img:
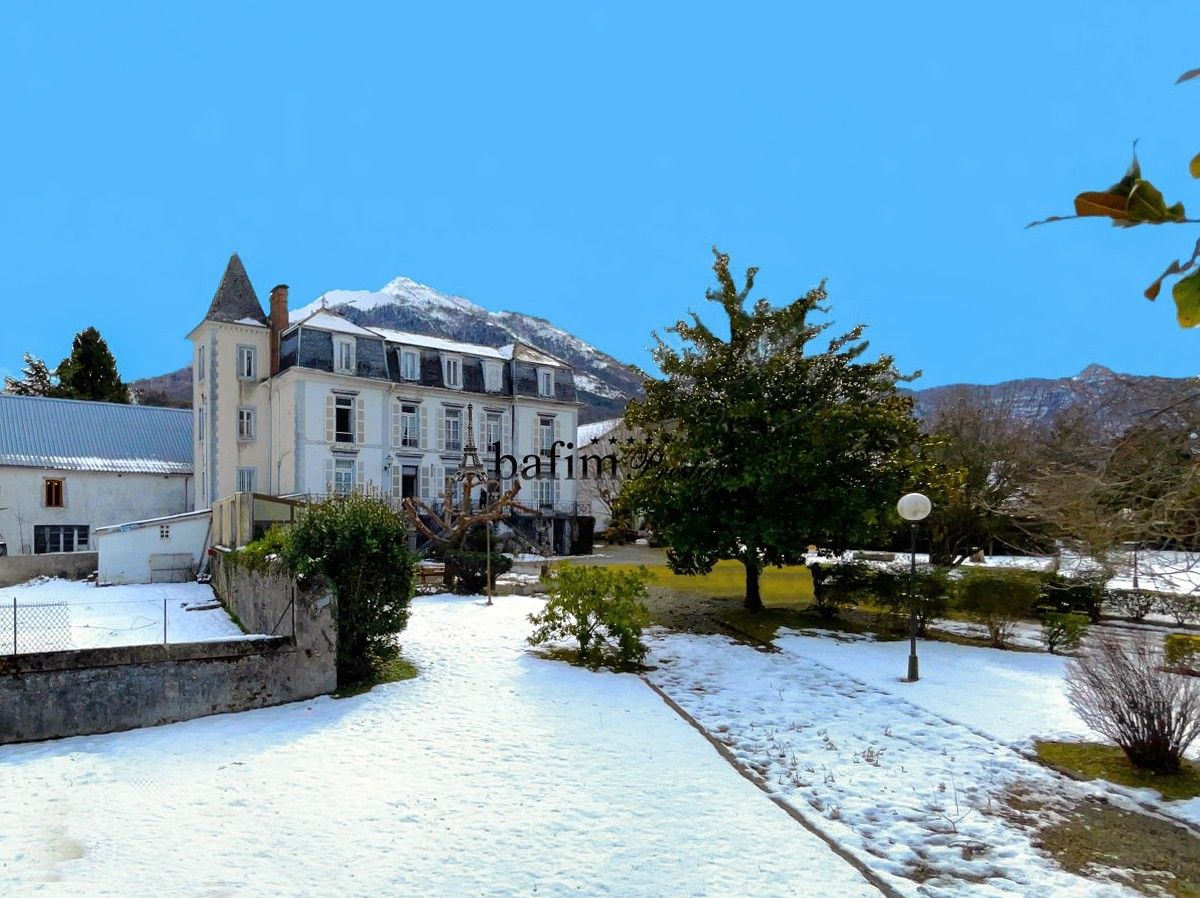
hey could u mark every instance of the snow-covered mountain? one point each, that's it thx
(604, 384)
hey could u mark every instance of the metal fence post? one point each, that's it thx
(164, 620)
(14, 625)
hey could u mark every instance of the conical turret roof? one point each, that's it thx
(235, 299)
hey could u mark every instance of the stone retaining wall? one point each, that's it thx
(16, 569)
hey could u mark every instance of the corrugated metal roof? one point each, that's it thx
(73, 435)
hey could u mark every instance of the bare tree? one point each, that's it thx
(1120, 689)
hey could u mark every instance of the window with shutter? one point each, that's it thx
(395, 480)
(329, 476)
(506, 434)
(425, 494)
(425, 431)
(441, 439)
(360, 421)
(360, 478)
(330, 418)
(396, 407)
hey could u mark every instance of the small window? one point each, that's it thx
(343, 476)
(164, 531)
(343, 357)
(247, 363)
(200, 363)
(493, 377)
(410, 364)
(546, 426)
(545, 382)
(410, 425)
(545, 493)
(343, 419)
(246, 424)
(452, 370)
(246, 478)
(53, 493)
(454, 430)
(200, 424)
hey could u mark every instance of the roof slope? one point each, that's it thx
(73, 435)
(235, 300)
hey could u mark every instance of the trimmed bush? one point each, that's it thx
(1183, 609)
(998, 598)
(1182, 650)
(468, 569)
(838, 586)
(1119, 687)
(1084, 594)
(592, 605)
(1063, 630)
(1134, 604)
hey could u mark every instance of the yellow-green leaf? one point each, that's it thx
(1195, 166)
(1187, 300)
(1146, 205)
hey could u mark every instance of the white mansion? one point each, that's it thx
(317, 404)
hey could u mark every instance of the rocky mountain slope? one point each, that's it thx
(605, 384)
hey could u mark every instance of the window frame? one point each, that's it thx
(457, 362)
(487, 427)
(341, 466)
(201, 371)
(352, 415)
(545, 375)
(410, 437)
(247, 353)
(545, 424)
(247, 414)
(415, 356)
(60, 485)
(60, 531)
(456, 415)
(241, 476)
(347, 343)
(493, 377)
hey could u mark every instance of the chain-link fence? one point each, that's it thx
(36, 628)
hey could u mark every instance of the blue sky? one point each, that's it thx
(578, 161)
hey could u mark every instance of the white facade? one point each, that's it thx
(163, 550)
(89, 500)
(311, 432)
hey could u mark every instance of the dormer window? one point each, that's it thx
(247, 363)
(343, 355)
(493, 377)
(410, 364)
(452, 372)
(545, 382)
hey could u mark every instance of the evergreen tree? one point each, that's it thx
(38, 379)
(768, 446)
(90, 371)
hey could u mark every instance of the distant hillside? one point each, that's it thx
(173, 390)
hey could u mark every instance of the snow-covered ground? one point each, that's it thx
(53, 615)
(904, 775)
(493, 773)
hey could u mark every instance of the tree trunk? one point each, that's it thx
(753, 598)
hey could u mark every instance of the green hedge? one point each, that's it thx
(997, 598)
(1182, 650)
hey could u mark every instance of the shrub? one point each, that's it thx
(1134, 604)
(837, 586)
(260, 553)
(467, 569)
(1182, 650)
(1063, 630)
(933, 589)
(1119, 688)
(998, 598)
(361, 546)
(593, 604)
(1084, 594)
(1183, 609)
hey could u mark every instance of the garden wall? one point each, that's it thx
(51, 694)
(16, 569)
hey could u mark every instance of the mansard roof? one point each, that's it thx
(235, 300)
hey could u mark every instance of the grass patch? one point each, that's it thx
(1092, 839)
(787, 586)
(393, 672)
(1095, 761)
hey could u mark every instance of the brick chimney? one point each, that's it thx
(279, 322)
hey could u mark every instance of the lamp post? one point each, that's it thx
(914, 508)
(469, 472)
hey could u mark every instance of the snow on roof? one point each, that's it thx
(330, 321)
(440, 343)
(73, 435)
(251, 321)
(595, 430)
(155, 522)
